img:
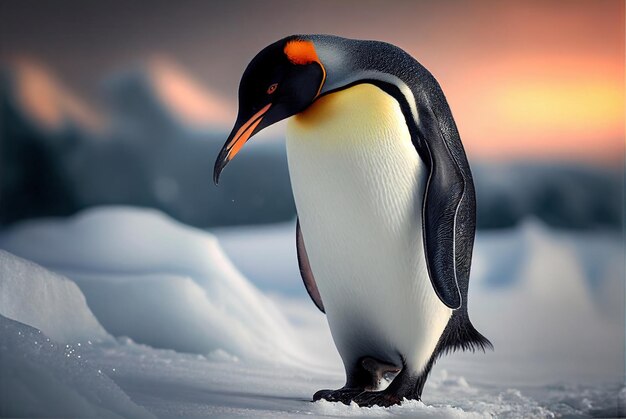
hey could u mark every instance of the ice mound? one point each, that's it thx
(551, 303)
(42, 378)
(157, 281)
(47, 301)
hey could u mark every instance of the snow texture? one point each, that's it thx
(43, 378)
(550, 301)
(47, 301)
(158, 282)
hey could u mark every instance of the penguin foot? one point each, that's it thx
(377, 398)
(343, 395)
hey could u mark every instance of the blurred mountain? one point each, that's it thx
(563, 195)
(156, 145)
(159, 97)
(157, 150)
(44, 101)
(41, 123)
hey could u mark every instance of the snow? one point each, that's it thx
(42, 378)
(266, 254)
(550, 301)
(549, 319)
(30, 294)
(158, 282)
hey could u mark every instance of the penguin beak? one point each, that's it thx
(242, 131)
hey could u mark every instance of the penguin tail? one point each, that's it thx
(460, 334)
(475, 340)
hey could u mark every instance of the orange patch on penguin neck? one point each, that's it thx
(301, 52)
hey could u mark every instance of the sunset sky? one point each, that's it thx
(540, 79)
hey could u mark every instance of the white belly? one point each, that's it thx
(358, 184)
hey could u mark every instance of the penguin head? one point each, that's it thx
(281, 81)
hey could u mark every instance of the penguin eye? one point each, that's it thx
(272, 88)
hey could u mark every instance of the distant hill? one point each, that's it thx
(148, 155)
(43, 100)
(563, 195)
(40, 124)
(159, 97)
(157, 142)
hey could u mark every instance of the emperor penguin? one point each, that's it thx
(385, 201)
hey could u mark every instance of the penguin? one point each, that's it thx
(385, 202)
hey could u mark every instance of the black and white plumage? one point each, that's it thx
(385, 200)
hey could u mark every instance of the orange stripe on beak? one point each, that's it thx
(244, 128)
(235, 141)
(241, 140)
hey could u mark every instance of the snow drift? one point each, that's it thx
(42, 378)
(157, 281)
(551, 303)
(49, 302)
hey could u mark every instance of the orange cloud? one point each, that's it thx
(544, 107)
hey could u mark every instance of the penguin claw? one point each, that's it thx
(377, 398)
(343, 395)
(321, 394)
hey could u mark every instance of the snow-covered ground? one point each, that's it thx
(195, 337)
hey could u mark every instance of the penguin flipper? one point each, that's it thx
(305, 270)
(443, 224)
